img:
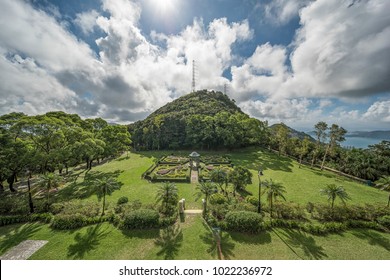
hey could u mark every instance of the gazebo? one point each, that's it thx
(194, 160)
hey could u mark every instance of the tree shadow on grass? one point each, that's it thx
(86, 187)
(265, 160)
(299, 240)
(86, 242)
(373, 238)
(212, 237)
(261, 238)
(14, 237)
(170, 241)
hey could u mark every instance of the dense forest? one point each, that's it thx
(55, 141)
(202, 119)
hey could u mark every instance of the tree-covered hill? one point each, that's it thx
(291, 133)
(202, 119)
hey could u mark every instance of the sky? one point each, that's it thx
(291, 61)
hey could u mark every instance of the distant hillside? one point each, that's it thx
(377, 134)
(293, 133)
(199, 103)
(202, 119)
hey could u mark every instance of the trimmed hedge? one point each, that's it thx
(72, 221)
(217, 198)
(244, 221)
(8, 220)
(122, 200)
(384, 221)
(141, 219)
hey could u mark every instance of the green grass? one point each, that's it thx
(194, 240)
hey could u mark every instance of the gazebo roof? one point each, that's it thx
(194, 154)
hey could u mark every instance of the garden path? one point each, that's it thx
(23, 250)
(194, 177)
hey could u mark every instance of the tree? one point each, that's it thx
(273, 191)
(303, 149)
(384, 184)
(168, 195)
(105, 186)
(332, 192)
(282, 138)
(320, 130)
(240, 177)
(49, 181)
(219, 177)
(336, 135)
(205, 188)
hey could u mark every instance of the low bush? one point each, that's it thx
(252, 200)
(141, 219)
(219, 211)
(14, 204)
(244, 221)
(217, 198)
(72, 221)
(242, 206)
(8, 220)
(288, 210)
(122, 200)
(384, 221)
(167, 221)
(84, 208)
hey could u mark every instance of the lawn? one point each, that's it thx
(192, 239)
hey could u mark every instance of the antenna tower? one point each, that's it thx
(193, 76)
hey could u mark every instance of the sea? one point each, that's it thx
(359, 142)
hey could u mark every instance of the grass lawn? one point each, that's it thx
(193, 240)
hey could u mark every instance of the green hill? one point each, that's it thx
(292, 133)
(202, 119)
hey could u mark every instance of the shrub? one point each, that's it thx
(244, 221)
(141, 219)
(219, 211)
(288, 211)
(8, 220)
(122, 200)
(14, 204)
(217, 198)
(384, 221)
(243, 206)
(252, 200)
(68, 221)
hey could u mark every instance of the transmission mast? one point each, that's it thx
(193, 76)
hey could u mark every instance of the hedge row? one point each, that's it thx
(72, 221)
(8, 220)
(244, 221)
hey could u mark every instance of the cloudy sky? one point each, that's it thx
(296, 61)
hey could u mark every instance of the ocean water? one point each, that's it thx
(359, 142)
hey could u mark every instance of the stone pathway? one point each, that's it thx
(194, 177)
(193, 211)
(24, 250)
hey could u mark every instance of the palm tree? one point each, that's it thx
(273, 190)
(206, 189)
(332, 192)
(49, 181)
(104, 186)
(219, 177)
(384, 184)
(168, 195)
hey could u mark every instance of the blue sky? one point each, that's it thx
(292, 61)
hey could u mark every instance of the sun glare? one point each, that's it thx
(163, 7)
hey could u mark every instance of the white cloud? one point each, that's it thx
(379, 111)
(282, 11)
(87, 21)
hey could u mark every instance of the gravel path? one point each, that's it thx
(24, 250)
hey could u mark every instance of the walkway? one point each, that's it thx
(24, 250)
(194, 177)
(193, 211)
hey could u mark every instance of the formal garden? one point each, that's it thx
(127, 208)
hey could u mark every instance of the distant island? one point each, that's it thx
(377, 134)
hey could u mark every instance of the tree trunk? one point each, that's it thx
(300, 161)
(30, 202)
(323, 160)
(10, 181)
(1, 187)
(388, 201)
(66, 169)
(90, 164)
(104, 202)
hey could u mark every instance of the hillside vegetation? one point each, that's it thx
(202, 119)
